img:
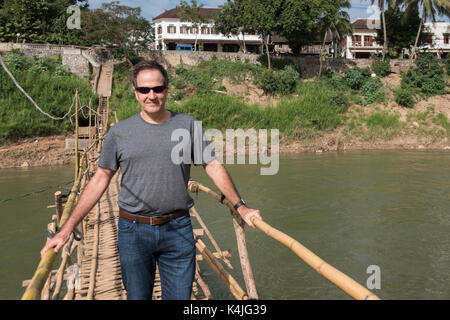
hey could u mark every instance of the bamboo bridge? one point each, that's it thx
(89, 266)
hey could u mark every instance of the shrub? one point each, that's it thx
(381, 68)
(16, 62)
(354, 78)
(405, 97)
(372, 91)
(278, 82)
(427, 77)
(447, 65)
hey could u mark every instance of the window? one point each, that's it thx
(428, 38)
(184, 29)
(368, 41)
(171, 29)
(357, 41)
(193, 30)
(205, 30)
(159, 30)
(446, 38)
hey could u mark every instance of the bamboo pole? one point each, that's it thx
(230, 282)
(344, 282)
(45, 294)
(202, 283)
(58, 206)
(211, 238)
(90, 295)
(76, 135)
(247, 272)
(62, 267)
(34, 288)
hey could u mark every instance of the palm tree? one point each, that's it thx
(381, 4)
(429, 9)
(334, 22)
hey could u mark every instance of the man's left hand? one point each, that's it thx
(247, 213)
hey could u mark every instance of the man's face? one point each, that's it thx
(151, 102)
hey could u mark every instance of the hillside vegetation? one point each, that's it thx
(355, 104)
(50, 85)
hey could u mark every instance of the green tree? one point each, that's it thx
(23, 20)
(335, 22)
(298, 22)
(119, 26)
(401, 27)
(262, 17)
(230, 22)
(381, 6)
(429, 10)
(37, 21)
(191, 13)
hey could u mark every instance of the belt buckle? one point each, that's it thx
(151, 221)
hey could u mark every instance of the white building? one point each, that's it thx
(437, 38)
(170, 31)
(362, 43)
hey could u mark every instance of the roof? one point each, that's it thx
(175, 13)
(366, 24)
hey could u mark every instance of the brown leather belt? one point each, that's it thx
(152, 220)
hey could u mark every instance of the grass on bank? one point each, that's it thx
(51, 86)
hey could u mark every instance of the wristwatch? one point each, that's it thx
(240, 203)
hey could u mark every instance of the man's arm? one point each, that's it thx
(89, 197)
(219, 175)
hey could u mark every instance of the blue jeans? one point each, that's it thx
(172, 245)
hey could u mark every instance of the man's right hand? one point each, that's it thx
(57, 242)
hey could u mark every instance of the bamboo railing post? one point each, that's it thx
(247, 272)
(76, 136)
(58, 205)
(45, 294)
(230, 282)
(62, 267)
(202, 283)
(211, 238)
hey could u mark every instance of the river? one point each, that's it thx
(380, 215)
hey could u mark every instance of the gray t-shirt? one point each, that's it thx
(154, 175)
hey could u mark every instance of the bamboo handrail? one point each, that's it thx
(344, 282)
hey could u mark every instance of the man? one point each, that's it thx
(154, 223)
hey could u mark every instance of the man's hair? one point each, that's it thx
(149, 65)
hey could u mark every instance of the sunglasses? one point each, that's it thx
(157, 89)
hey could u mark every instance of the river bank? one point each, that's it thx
(51, 151)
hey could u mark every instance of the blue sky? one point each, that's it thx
(152, 8)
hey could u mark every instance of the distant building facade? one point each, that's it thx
(170, 31)
(362, 44)
(437, 38)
